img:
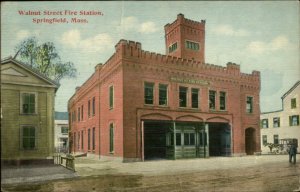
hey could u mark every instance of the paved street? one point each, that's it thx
(249, 173)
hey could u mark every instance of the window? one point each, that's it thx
(93, 139)
(28, 103)
(111, 138)
(249, 106)
(212, 100)
(111, 97)
(265, 140)
(81, 112)
(189, 138)
(81, 139)
(173, 47)
(78, 142)
(195, 95)
(64, 130)
(178, 139)
(293, 103)
(78, 113)
(89, 139)
(148, 91)
(192, 45)
(276, 122)
(28, 137)
(163, 94)
(294, 120)
(222, 100)
(264, 123)
(89, 108)
(75, 141)
(93, 106)
(74, 116)
(276, 139)
(182, 96)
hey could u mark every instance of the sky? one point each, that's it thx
(257, 35)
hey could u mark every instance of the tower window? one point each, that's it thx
(192, 45)
(173, 47)
(249, 105)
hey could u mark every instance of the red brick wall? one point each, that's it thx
(160, 69)
(89, 90)
(128, 69)
(114, 115)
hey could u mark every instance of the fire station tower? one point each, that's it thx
(185, 38)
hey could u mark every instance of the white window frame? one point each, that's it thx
(21, 137)
(35, 105)
(111, 105)
(167, 95)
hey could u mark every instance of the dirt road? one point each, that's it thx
(276, 176)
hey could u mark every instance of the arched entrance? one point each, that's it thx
(250, 141)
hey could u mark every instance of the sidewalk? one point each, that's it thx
(34, 173)
(86, 166)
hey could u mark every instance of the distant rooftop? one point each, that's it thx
(61, 115)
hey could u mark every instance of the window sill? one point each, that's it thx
(215, 111)
(112, 153)
(28, 150)
(29, 114)
(150, 105)
(183, 107)
(164, 106)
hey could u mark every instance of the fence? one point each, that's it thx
(66, 161)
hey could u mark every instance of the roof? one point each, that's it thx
(291, 89)
(262, 113)
(61, 115)
(30, 69)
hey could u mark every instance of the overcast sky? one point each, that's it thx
(261, 36)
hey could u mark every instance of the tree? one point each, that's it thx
(45, 59)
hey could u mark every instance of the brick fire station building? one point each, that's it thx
(141, 105)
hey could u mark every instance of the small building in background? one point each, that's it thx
(282, 125)
(61, 132)
(27, 119)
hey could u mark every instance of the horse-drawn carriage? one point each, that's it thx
(285, 144)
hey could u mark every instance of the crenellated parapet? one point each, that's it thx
(133, 51)
(186, 22)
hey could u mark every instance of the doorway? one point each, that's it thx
(250, 141)
(219, 139)
(155, 139)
